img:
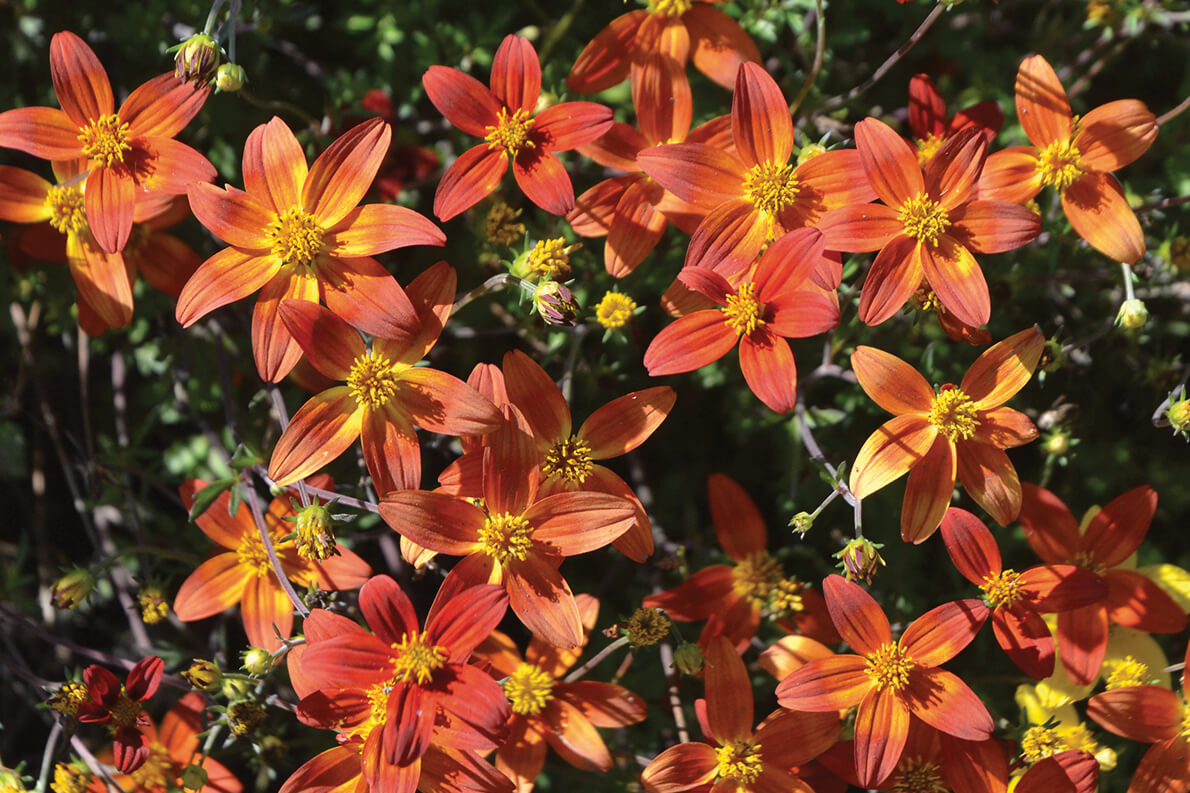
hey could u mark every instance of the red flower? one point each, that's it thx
(930, 125)
(503, 117)
(119, 707)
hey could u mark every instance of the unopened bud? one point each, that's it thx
(194, 777)
(11, 781)
(257, 661)
(230, 78)
(688, 659)
(72, 589)
(802, 522)
(1178, 414)
(204, 675)
(70, 778)
(860, 559)
(1132, 314)
(197, 59)
(315, 533)
(809, 152)
(245, 718)
(555, 303)
(1057, 444)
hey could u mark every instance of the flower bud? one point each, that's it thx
(245, 718)
(860, 559)
(234, 688)
(501, 225)
(1057, 444)
(646, 627)
(555, 303)
(230, 78)
(194, 777)
(197, 59)
(809, 152)
(11, 781)
(315, 533)
(153, 606)
(72, 589)
(688, 659)
(204, 675)
(802, 522)
(68, 697)
(1132, 314)
(614, 310)
(257, 661)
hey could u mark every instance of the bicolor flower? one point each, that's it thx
(892, 682)
(504, 117)
(954, 432)
(1075, 156)
(298, 233)
(119, 707)
(932, 221)
(128, 151)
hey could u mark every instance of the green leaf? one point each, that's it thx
(204, 498)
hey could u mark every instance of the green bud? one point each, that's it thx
(257, 661)
(204, 675)
(1132, 314)
(230, 78)
(860, 559)
(194, 777)
(688, 659)
(72, 589)
(197, 59)
(802, 522)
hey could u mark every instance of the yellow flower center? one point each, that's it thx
(1080, 738)
(124, 712)
(68, 697)
(953, 413)
(1086, 560)
(159, 772)
(105, 140)
(755, 576)
(511, 132)
(926, 299)
(1039, 743)
(295, 237)
(69, 778)
(924, 219)
(917, 775)
(1059, 164)
(927, 147)
(889, 667)
(153, 606)
(744, 312)
(671, 8)
(771, 187)
(417, 659)
(569, 459)
(373, 380)
(67, 212)
(505, 537)
(738, 761)
(377, 712)
(1128, 672)
(785, 598)
(1185, 731)
(1002, 590)
(614, 310)
(250, 553)
(550, 259)
(528, 689)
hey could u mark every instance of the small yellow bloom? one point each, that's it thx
(614, 310)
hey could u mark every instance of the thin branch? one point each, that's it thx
(1162, 120)
(1165, 203)
(819, 51)
(267, 540)
(577, 674)
(672, 679)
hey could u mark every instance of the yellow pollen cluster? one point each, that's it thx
(505, 537)
(927, 147)
(378, 710)
(671, 8)
(68, 697)
(124, 712)
(755, 576)
(550, 259)
(1039, 743)
(1127, 673)
(250, 553)
(69, 778)
(917, 775)
(786, 597)
(771, 187)
(511, 132)
(417, 659)
(889, 667)
(501, 225)
(153, 606)
(954, 414)
(159, 772)
(105, 140)
(295, 237)
(744, 312)
(528, 689)
(924, 219)
(569, 459)
(1086, 560)
(926, 299)
(373, 380)
(1185, 731)
(738, 761)
(67, 212)
(1002, 590)
(614, 310)
(1059, 164)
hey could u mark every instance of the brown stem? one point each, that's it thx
(267, 540)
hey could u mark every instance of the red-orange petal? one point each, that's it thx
(1011, 175)
(1041, 103)
(1082, 642)
(737, 521)
(957, 280)
(1050, 528)
(826, 684)
(889, 453)
(273, 347)
(835, 179)
(342, 174)
(216, 585)
(681, 768)
(571, 124)
(881, 730)
(360, 291)
(232, 215)
(989, 478)
(971, 546)
(320, 431)
(227, 276)
(1095, 205)
(1140, 713)
(103, 280)
(701, 174)
(266, 612)
(516, 74)
(626, 422)
(1003, 369)
(859, 228)
(110, 198)
(890, 382)
(661, 98)
(994, 226)
(567, 524)
(542, 599)
(174, 166)
(1118, 529)
(890, 163)
(636, 228)
(942, 632)
(80, 82)
(760, 121)
(1135, 601)
(574, 738)
(434, 520)
(274, 166)
(952, 174)
(728, 692)
(1026, 639)
(595, 210)
(946, 703)
(766, 361)
(22, 195)
(464, 101)
(440, 402)
(720, 45)
(44, 132)
(729, 238)
(928, 491)
(927, 108)
(893, 278)
(605, 61)
(688, 343)
(856, 615)
(541, 402)
(1115, 134)
(377, 228)
(330, 344)
(162, 106)
(391, 450)
(544, 181)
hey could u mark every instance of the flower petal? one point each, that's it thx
(466, 619)
(80, 82)
(1136, 602)
(889, 452)
(44, 132)
(23, 195)
(856, 615)
(516, 74)
(1139, 713)
(826, 685)
(229, 275)
(1041, 103)
(769, 370)
(434, 520)
(391, 449)
(890, 162)
(893, 278)
(720, 45)
(162, 106)
(728, 692)
(443, 403)
(881, 730)
(680, 768)
(661, 97)
(574, 523)
(1096, 207)
(890, 382)
(943, 701)
(1050, 528)
(691, 342)
(943, 632)
(927, 108)
(760, 120)
(928, 491)
(216, 585)
(994, 226)
(466, 102)
(1003, 369)
(1027, 640)
(737, 521)
(319, 432)
(110, 198)
(274, 166)
(957, 280)
(273, 347)
(267, 612)
(1115, 134)
(1082, 642)
(387, 609)
(989, 478)
(971, 546)
(541, 402)
(364, 294)
(636, 228)
(859, 228)
(696, 172)
(544, 181)
(329, 343)
(1012, 175)
(232, 215)
(377, 228)
(605, 704)
(788, 738)
(626, 422)
(697, 597)
(342, 174)
(952, 174)
(1118, 529)
(568, 125)
(542, 600)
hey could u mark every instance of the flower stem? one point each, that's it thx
(595, 659)
(819, 50)
(267, 540)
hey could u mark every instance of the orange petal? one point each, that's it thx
(542, 599)
(344, 570)
(328, 342)
(835, 179)
(1082, 642)
(227, 276)
(1140, 713)
(1011, 175)
(337, 769)
(881, 730)
(1003, 369)
(681, 768)
(943, 701)
(110, 197)
(971, 546)
(989, 478)
(692, 341)
(769, 370)
(319, 432)
(928, 491)
(890, 382)
(102, 279)
(538, 398)
(661, 97)
(696, 172)
(216, 585)
(571, 124)
(1005, 428)
(1041, 103)
(434, 520)
(522, 757)
(510, 465)
(957, 280)
(893, 278)
(789, 738)
(377, 228)
(364, 294)
(274, 166)
(952, 174)
(790, 653)
(342, 174)
(890, 162)
(162, 106)
(994, 226)
(80, 82)
(890, 452)
(720, 45)
(432, 294)
(626, 422)
(572, 523)
(391, 450)
(440, 402)
(466, 102)
(760, 120)
(555, 662)
(943, 632)
(605, 704)
(595, 210)
(737, 521)
(574, 738)
(856, 615)
(22, 195)
(44, 132)
(1135, 601)
(1096, 207)
(1118, 529)
(637, 542)
(605, 61)
(232, 216)
(788, 263)
(516, 74)
(1114, 135)
(1049, 527)
(172, 166)
(273, 346)
(859, 228)
(636, 228)
(728, 692)
(1026, 639)
(544, 181)
(826, 685)
(267, 612)
(729, 238)
(697, 597)
(927, 108)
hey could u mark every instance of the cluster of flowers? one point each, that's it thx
(417, 708)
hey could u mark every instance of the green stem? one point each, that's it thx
(819, 51)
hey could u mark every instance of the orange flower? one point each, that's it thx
(127, 151)
(931, 127)
(171, 749)
(385, 394)
(299, 234)
(1110, 538)
(892, 682)
(779, 301)
(754, 195)
(954, 432)
(931, 222)
(242, 573)
(669, 30)
(516, 538)
(546, 711)
(503, 117)
(1075, 156)
(732, 598)
(741, 758)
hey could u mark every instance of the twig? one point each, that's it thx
(47, 757)
(672, 679)
(267, 540)
(595, 659)
(1165, 203)
(1164, 119)
(493, 284)
(96, 767)
(819, 50)
(815, 452)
